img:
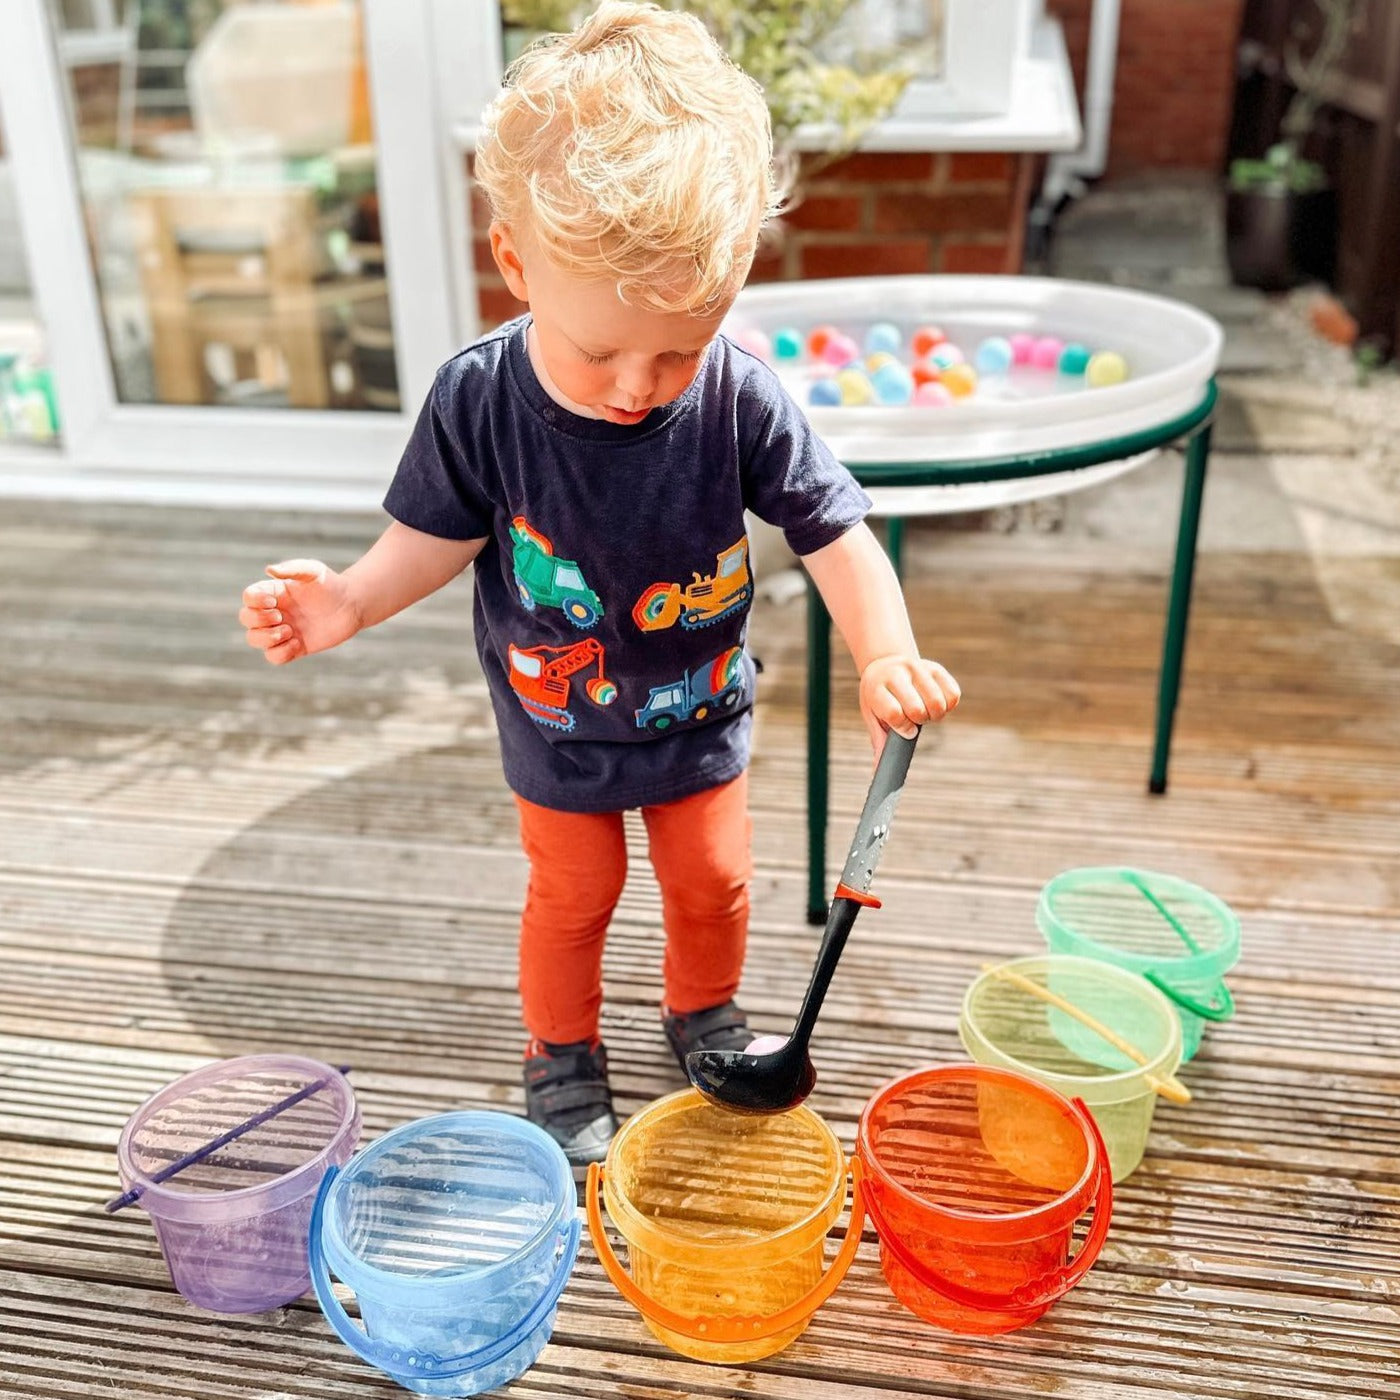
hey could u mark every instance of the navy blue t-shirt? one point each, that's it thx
(612, 597)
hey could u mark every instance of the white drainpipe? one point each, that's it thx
(1065, 174)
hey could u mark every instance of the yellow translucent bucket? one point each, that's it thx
(725, 1216)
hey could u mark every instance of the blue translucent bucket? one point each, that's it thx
(457, 1234)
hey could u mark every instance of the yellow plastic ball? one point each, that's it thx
(855, 388)
(959, 380)
(1105, 368)
(879, 359)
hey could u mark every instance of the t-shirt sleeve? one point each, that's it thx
(791, 477)
(439, 487)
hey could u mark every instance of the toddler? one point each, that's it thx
(594, 459)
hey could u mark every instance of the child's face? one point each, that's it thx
(606, 357)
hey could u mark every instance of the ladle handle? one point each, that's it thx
(873, 829)
(868, 845)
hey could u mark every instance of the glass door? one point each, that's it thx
(238, 223)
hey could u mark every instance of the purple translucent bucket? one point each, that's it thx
(233, 1225)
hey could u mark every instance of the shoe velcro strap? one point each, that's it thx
(559, 1098)
(696, 1029)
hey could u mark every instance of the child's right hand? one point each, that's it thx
(303, 607)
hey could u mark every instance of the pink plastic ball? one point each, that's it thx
(756, 343)
(1021, 347)
(840, 350)
(1045, 353)
(932, 395)
(947, 355)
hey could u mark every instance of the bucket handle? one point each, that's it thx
(412, 1363)
(1220, 1007)
(1041, 1293)
(723, 1329)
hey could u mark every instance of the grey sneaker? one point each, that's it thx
(567, 1094)
(713, 1028)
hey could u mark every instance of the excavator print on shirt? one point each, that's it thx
(541, 677)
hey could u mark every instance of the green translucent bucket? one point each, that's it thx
(1011, 1028)
(1178, 936)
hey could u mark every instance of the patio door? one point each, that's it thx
(243, 223)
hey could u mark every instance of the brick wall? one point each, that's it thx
(867, 215)
(1175, 83)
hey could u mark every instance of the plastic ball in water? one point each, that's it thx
(824, 393)
(840, 350)
(1107, 367)
(817, 339)
(925, 339)
(879, 359)
(994, 355)
(1074, 358)
(1022, 345)
(787, 343)
(883, 335)
(893, 383)
(1045, 353)
(947, 355)
(756, 342)
(856, 389)
(959, 380)
(932, 395)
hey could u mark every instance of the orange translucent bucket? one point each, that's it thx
(726, 1218)
(975, 1179)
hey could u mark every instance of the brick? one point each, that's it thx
(879, 166)
(827, 213)
(769, 265)
(953, 212)
(482, 260)
(495, 304)
(968, 167)
(975, 257)
(481, 211)
(867, 259)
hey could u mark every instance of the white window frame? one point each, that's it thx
(314, 457)
(982, 40)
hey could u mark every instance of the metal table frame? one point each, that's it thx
(1193, 427)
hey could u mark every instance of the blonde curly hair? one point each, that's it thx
(632, 149)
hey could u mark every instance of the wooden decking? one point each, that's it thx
(202, 857)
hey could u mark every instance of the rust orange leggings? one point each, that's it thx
(578, 861)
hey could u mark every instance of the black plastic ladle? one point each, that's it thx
(780, 1079)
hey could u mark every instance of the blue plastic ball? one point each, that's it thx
(994, 355)
(824, 393)
(883, 335)
(787, 344)
(893, 384)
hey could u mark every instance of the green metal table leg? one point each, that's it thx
(818, 724)
(1179, 604)
(894, 544)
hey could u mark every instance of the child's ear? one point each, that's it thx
(507, 256)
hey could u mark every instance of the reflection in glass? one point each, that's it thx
(28, 408)
(227, 170)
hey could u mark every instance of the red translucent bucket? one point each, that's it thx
(975, 1179)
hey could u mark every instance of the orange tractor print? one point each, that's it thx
(704, 600)
(540, 676)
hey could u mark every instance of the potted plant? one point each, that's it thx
(1280, 210)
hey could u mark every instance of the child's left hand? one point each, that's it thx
(902, 693)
